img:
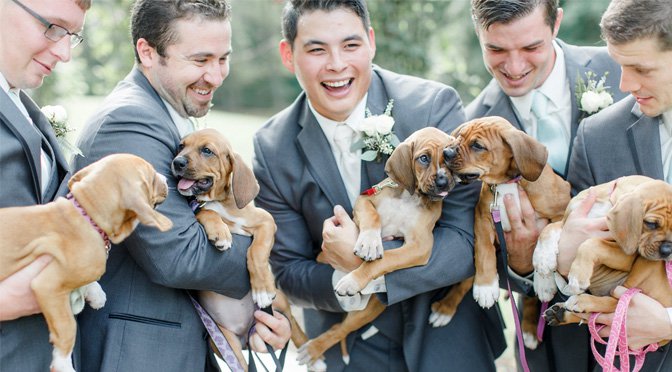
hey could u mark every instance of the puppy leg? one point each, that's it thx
(258, 254)
(217, 231)
(95, 295)
(486, 280)
(530, 320)
(369, 245)
(444, 309)
(566, 313)
(545, 261)
(591, 253)
(316, 347)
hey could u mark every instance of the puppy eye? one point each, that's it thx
(477, 146)
(651, 225)
(180, 147)
(206, 151)
(424, 159)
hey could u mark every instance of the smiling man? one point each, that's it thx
(309, 181)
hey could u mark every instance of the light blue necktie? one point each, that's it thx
(551, 133)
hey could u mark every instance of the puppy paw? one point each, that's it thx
(95, 295)
(573, 304)
(576, 286)
(545, 256)
(369, 245)
(347, 286)
(437, 319)
(320, 366)
(544, 286)
(221, 244)
(61, 362)
(555, 315)
(486, 295)
(305, 355)
(263, 298)
(530, 341)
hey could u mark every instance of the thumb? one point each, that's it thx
(587, 203)
(618, 291)
(341, 215)
(36, 266)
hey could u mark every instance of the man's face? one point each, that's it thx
(331, 58)
(645, 73)
(193, 67)
(520, 54)
(26, 55)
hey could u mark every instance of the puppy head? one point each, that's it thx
(208, 168)
(494, 151)
(417, 164)
(641, 221)
(120, 190)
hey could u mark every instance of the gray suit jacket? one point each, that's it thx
(563, 348)
(619, 141)
(20, 145)
(300, 184)
(148, 322)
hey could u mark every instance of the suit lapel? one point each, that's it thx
(29, 138)
(372, 171)
(500, 105)
(319, 158)
(644, 142)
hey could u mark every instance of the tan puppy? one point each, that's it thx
(407, 204)
(211, 172)
(490, 149)
(111, 195)
(639, 215)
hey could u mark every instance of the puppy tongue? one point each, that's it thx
(185, 184)
(443, 194)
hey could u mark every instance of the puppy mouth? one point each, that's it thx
(193, 187)
(466, 178)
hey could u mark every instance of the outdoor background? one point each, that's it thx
(428, 38)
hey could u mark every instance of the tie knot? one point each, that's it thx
(343, 136)
(539, 104)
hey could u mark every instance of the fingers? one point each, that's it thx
(35, 267)
(342, 216)
(273, 329)
(513, 211)
(618, 291)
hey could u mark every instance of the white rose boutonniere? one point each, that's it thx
(378, 139)
(58, 118)
(592, 95)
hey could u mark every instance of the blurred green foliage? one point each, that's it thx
(427, 38)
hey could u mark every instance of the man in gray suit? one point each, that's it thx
(521, 52)
(329, 45)
(632, 137)
(33, 167)
(182, 53)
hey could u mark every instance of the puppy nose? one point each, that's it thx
(665, 249)
(441, 180)
(449, 153)
(179, 163)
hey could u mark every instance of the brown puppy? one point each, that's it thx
(407, 204)
(639, 215)
(109, 198)
(211, 172)
(490, 149)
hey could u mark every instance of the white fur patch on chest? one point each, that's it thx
(397, 215)
(235, 223)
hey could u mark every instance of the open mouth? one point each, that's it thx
(467, 178)
(337, 86)
(515, 78)
(191, 187)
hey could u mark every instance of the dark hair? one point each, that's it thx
(294, 9)
(485, 13)
(628, 20)
(154, 20)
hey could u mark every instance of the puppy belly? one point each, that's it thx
(234, 315)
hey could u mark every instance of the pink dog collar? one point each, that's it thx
(103, 234)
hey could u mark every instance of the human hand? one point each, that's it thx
(647, 320)
(339, 235)
(578, 228)
(525, 229)
(274, 330)
(16, 295)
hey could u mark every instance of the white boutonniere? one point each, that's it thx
(58, 118)
(378, 139)
(592, 95)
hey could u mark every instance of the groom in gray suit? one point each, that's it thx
(182, 53)
(521, 52)
(634, 136)
(329, 45)
(33, 169)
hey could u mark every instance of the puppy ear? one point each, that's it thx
(529, 154)
(625, 222)
(244, 184)
(400, 166)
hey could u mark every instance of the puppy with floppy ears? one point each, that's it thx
(210, 171)
(504, 158)
(638, 211)
(405, 205)
(108, 199)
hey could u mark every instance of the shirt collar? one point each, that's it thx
(5, 85)
(329, 126)
(666, 120)
(184, 125)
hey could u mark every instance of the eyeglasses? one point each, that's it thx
(53, 32)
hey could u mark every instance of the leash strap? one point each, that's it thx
(279, 362)
(223, 346)
(541, 324)
(496, 218)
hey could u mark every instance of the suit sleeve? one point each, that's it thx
(181, 257)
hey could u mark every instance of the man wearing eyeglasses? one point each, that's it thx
(35, 35)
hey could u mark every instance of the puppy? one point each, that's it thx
(210, 171)
(490, 149)
(638, 210)
(406, 205)
(108, 199)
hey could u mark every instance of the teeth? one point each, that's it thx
(336, 84)
(202, 92)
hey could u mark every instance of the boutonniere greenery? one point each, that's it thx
(58, 118)
(378, 139)
(592, 95)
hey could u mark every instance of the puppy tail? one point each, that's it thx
(344, 352)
